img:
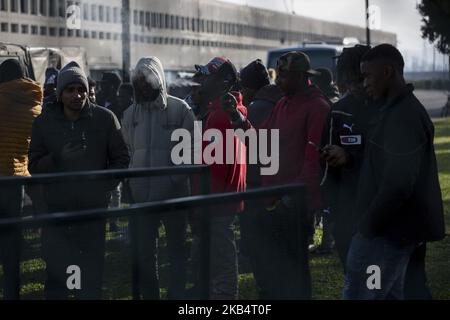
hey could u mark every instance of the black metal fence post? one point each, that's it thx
(126, 47)
(135, 275)
(205, 240)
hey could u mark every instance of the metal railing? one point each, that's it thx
(169, 205)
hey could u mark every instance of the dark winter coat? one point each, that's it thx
(399, 193)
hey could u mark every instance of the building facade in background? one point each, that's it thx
(180, 32)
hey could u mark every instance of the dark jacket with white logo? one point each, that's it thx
(347, 127)
(399, 195)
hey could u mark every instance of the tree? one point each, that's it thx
(436, 23)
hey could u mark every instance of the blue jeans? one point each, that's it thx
(390, 256)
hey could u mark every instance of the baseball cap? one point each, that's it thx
(218, 66)
(296, 61)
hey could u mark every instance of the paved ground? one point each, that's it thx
(433, 100)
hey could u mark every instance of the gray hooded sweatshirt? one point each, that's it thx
(147, 129)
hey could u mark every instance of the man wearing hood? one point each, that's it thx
(299, 116)
(76, 135)
(20, 104)
(148, 126)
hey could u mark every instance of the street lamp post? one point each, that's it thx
(367, 23)
(126, 40)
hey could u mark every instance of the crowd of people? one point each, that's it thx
(363, 148)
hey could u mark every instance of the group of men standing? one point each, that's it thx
(367, 158)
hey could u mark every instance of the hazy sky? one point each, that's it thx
(398, 16)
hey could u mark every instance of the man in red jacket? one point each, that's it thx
(217, 79)
(299, 117)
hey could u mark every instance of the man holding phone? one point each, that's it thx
(75, 135)
(216, 80)
(300, 117)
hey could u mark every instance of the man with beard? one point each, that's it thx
(75, 135)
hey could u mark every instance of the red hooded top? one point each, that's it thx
(300, 119)
(227, 177)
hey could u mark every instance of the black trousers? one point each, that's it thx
(80, 244)
(285, 254)
(146, 229)
(255, 238)
(11, 242)
(343, 236)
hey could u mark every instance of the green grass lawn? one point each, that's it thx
(438, 259)
(326, 270)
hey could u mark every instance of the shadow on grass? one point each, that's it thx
(438, 268)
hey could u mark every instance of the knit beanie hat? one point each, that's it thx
(71, 73)
(255, 75)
